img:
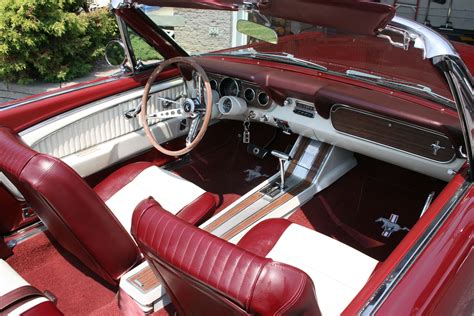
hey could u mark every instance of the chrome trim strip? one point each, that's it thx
(25, 233)
(58, 93)
(340, 105)
(387, 286)
(425, 38)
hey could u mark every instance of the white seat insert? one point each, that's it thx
(338, 271)
(170, 190)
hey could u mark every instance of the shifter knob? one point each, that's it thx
(283, 157)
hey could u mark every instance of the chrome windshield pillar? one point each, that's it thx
(444, 56)
(461, 85)
(425, 38)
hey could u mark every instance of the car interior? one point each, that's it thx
(206, 180)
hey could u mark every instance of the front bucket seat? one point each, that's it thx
(94, 226)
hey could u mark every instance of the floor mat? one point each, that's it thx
(40, 263)
(348, 209)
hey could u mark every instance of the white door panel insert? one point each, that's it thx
(97, 135)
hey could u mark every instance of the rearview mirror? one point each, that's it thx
(115, 53)
(258, 31)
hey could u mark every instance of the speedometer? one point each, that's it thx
(229, 87)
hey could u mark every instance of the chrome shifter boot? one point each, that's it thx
(283, 158)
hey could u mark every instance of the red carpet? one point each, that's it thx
(40, 263)
(347, 210)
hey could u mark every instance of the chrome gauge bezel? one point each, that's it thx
(267, 96)
(214, 84)
(253, 95)
(229, 79)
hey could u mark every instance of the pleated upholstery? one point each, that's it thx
(100, 127)
(206, 275)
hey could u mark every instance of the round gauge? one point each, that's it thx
(263, 98)
(227, 106)
(229, 87)
(214, 85)
(249, 94)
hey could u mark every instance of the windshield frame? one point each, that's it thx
(181, 52)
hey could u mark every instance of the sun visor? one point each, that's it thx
(361, 17)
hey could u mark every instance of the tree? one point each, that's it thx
(51, 40)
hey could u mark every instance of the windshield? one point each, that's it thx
(200, 31)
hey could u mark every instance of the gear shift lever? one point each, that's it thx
(283, 158)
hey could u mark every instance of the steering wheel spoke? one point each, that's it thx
(193, 129)
(167, 114)
(171, 101)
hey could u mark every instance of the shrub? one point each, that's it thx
(51, 40)
(142, 50)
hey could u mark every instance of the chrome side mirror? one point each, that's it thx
(115, 53)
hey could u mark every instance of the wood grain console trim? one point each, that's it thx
(144, 280)
(234, 211)
(399, 135)
(297, 189)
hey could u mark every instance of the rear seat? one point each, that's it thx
(18, 297)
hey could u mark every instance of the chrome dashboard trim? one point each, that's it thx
(387, 286)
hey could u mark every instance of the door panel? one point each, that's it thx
(98, 135)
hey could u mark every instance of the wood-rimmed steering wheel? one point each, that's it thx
(197, 107)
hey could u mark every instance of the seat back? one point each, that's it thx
(73, 213)
(205, 275)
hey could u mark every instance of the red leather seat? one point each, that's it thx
(205, 275)
(95, 226)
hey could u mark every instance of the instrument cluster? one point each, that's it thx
(248, 91)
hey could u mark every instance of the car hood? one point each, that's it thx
(355, 16)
